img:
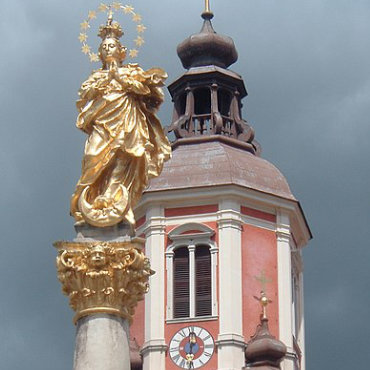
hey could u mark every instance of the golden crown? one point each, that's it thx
(111, 29)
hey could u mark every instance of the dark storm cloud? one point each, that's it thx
(306, 66)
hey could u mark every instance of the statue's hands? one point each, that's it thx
(113, 73)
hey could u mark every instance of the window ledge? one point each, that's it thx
(191, 319)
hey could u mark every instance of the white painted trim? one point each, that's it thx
(212, 194)
(230, 338)
(192, 319)
(169, 269)
(301, 336)
(214, 256)
(191, 249)
(284, 278)
(153, 352)
(179, 230)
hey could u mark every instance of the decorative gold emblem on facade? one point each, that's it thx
(126, 145)
(103, 277)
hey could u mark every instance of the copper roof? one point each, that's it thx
(264, 351)
(207, 48)
(214, 162)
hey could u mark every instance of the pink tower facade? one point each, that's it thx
(220, 224)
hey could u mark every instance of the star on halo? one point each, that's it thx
(82, 37)
(139, 41)
(94, 57)
(128, 9)
(136, 17)
(133, 53)
(85, 49)
(116, 5)
(140, 28)
(103, 7)
(92, 14)
(84, 25)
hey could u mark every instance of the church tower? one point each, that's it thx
(221, 224)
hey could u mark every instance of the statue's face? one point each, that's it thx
(110, 50)
(98, 258)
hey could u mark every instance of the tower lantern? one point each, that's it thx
(217, 218)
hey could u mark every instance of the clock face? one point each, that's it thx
(191, 347)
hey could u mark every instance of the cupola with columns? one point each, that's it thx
(218, 221)
(207, 98)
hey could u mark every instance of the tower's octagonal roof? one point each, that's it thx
(215, 162)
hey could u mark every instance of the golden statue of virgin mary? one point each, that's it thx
(126, 145)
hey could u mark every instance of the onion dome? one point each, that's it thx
(264, 351)
(207, 47)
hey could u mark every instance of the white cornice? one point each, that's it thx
(215, 194)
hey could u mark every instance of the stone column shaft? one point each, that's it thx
(102, 342)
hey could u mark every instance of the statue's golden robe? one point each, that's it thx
(126, 144)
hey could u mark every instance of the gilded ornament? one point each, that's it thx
(140, 28)
(128, 9)
(139, 41)
(136, 17)
(92, 14)
(133, 52)
(126, 145)
(103, 277)
(82, 37)
(85, 25)
(104, 8)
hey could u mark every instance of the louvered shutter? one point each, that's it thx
(203, 281)
(181, 283)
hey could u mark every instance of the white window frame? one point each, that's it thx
(191, 241)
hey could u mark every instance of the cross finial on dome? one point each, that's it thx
(264, 302)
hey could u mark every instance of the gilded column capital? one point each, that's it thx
(103, 277)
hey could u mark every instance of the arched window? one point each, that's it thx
(202, 100)
(224, 102)
(191, 273)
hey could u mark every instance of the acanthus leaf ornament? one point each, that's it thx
(103, 277)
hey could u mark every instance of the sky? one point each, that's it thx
(306, 65)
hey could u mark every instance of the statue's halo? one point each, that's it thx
(104, 8)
